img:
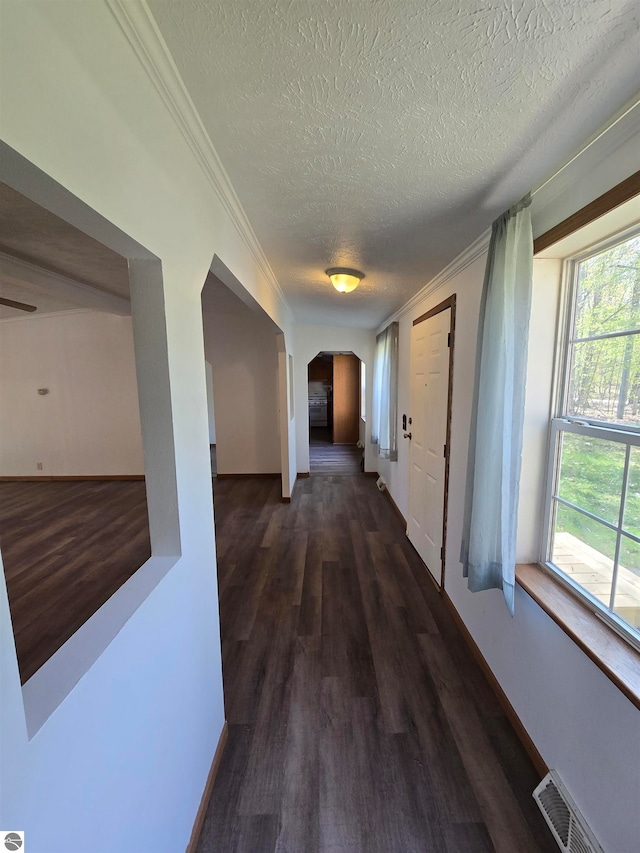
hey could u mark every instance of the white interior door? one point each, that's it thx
(427, 456)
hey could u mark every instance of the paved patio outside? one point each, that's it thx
(594, 571)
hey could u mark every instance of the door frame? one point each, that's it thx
(449, 302)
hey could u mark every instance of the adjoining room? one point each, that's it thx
(336, 399)
(73, 504)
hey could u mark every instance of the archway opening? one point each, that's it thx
(335, 407)
(241, 369)
(72, 475)
(107, 383)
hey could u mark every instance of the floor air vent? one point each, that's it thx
(565, 821)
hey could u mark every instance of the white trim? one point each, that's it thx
(457, 265)
(601, 146)
(598, 246)
(603, 162)
(63, 286)
(626, 434)
(141, 30)
(567, 341)
(552, 498)
(605, 431)
(551, 488)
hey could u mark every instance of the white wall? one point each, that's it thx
(308, 341)
(89, 422)
(242, 350)
(545, 305)
(362, 430)
(127, 752)
(581, 723)
(210, 405)
(286, 418)
(294, 414)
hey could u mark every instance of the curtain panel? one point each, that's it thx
(384, 429)
(495, 443)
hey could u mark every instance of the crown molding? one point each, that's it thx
(600, 147)
(142, 33)
(457, 265)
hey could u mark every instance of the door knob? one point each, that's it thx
(407, 435)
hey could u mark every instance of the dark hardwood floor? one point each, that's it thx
(328, 458)
(358, 720)
(66, 547)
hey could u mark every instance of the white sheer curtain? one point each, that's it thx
(384, 429)
(495, 443)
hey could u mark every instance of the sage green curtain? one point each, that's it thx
(495, 443)
(384, 429)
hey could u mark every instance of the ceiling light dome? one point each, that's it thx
(343, 279)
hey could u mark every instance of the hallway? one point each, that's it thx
(358, 720)
(325, 457)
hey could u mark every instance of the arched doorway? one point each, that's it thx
(335, 409)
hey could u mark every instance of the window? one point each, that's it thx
(592, 535)
(384, 430)
(363, 390)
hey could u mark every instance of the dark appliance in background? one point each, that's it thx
(318, 410)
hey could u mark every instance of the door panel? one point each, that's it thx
(429, 403)
(346, 399)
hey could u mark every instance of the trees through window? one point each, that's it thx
(604, 353)
(593, 505)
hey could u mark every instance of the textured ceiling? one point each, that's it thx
(388, 135)
(33, 234)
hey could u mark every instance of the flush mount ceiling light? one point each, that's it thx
(344, 280)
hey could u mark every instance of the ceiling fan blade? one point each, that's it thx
(21, 306)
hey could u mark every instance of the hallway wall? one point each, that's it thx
(135, 736)
(582, 725)
(211, 416)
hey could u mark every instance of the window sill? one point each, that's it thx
(611, 654)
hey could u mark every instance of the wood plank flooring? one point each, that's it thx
(66, 548)
(358, 720)
(328, 458)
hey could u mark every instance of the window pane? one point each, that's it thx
(591, 473)
(608, 296)
(627, 601)
(605, 374)
(632, 505)
(605, 380)
(584, 549)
